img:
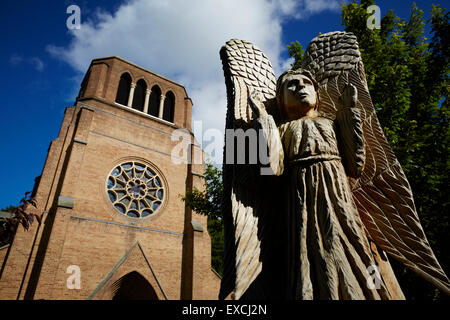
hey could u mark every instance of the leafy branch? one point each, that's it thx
(20, 216)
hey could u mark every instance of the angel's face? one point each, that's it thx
(299, 96)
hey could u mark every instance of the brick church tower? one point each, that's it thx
(114, 225)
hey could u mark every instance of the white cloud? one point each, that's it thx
(321, 5)
(15, 59)
(181, 41)
(35, 62)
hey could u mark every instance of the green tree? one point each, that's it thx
(209, 203)
(7, 229)
(407, 76)
(295, 50)
(8, 209)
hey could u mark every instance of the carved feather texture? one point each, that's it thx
(246, 68)
(382, 193)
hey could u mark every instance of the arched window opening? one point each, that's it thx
(155, 97)
(123, 91)
(84, 84)
(139, 95)
(169, 106)
(133, 286)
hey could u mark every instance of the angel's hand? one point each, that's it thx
(349, 96)
(256, 103)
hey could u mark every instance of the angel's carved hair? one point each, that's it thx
(281, 79)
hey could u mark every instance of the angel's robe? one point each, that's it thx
(329, 253)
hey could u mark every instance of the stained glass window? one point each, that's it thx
(135, 189)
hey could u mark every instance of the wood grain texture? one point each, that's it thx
(246, 69)
(380, 191)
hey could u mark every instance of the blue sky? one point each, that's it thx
(42, 62)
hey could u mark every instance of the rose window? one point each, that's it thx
(135, 189)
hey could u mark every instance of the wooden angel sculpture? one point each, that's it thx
(337, 202)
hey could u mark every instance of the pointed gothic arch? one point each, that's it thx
(155, 98)
(133, 286)
(139, 95)
(169, 106)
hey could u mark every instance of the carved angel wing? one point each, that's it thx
(246, 69)
(382, 193)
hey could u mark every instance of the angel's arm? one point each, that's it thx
(350, 133)
(268, 139)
